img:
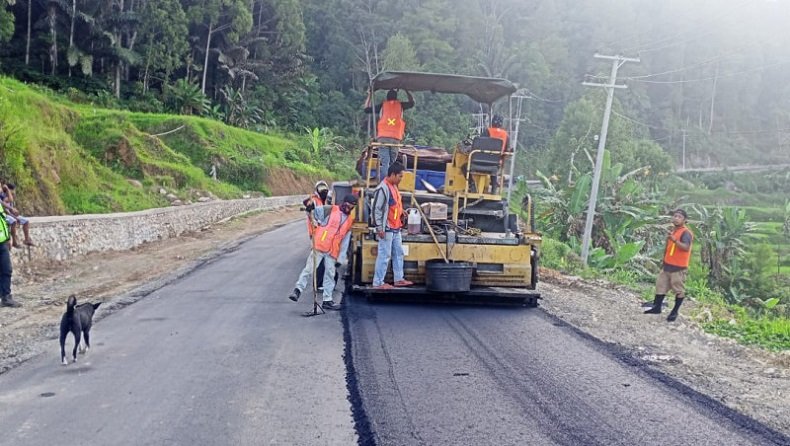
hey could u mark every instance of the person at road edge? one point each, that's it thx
(677, 254)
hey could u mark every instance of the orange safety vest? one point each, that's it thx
(499, 133)
(317, 201)
(675, 256)
(396, 208)
(329, 238)
(391, 123)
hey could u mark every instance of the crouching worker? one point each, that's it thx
(330, 243)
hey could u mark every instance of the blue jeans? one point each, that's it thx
(387, 156)
(389, 247)
(5, 269)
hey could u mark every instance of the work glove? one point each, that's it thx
(309, 207)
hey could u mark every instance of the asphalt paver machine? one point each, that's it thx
(469, 245)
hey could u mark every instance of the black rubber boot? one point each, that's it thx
(8, 301)
(674, 313)
(295, 295)
(656, 309)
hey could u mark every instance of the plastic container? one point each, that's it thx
(453, 277)
(414, 222)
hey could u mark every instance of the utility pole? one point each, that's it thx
(683, 161)
(513, 135)
(617, 62)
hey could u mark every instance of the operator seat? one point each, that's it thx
(488, 159)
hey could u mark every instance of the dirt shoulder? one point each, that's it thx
(749, 380)
(116, 278)
(746, 379)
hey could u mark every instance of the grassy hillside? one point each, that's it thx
(70, 159)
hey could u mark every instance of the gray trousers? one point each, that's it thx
(313, 260)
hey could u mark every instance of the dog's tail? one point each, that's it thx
(72, 302)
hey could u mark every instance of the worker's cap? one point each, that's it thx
(321, 185)
(681, 212)
(350, 199)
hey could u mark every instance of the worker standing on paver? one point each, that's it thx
(391, 128)
(388, 217)
(330, 245)
(676, 262)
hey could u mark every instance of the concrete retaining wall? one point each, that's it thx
(63, 237)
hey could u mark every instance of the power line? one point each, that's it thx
(635, 79)
(640, 122)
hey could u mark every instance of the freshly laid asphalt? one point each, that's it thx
(221, 357)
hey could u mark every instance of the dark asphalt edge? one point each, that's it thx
(365, 435)
(113, 305)
(707, 403)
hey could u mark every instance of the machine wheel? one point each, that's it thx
(354, 271)
(534, 261)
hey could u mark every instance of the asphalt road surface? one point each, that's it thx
(221, 357)
(438, 375)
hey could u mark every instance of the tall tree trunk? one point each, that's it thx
(713, 99)
(27, 43)
(205, 61)
(118, 70)
(146, 74)
(53, 31)
(71, 30)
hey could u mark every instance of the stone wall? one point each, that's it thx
(63, 237)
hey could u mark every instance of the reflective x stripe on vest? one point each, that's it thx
(391, 123)
(317, 201)
(329, 238)
(675, 256)
(395, 208)
(498, 133)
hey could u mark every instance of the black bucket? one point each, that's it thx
(453, 277)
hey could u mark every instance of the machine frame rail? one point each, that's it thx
(477, 295)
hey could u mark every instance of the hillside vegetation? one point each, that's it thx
(71, 158)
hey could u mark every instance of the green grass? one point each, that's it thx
(71, 158)
(767, 329)
(769, 333)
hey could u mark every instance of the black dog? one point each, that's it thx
(77, 320)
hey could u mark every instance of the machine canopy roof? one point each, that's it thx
(482, 89)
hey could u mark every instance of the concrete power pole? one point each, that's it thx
(513, 138)
(617, 62)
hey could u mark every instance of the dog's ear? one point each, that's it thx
(96, 305)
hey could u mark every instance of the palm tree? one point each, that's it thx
(187, 98)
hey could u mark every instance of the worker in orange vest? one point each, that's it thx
(320, 197)
(677, 254)
(330, 245)
(391, 128)
(496, 131)
(388, 217)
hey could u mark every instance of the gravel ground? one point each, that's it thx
(748, 379)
